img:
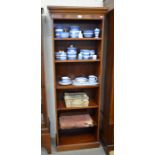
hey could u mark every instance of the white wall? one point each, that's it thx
(88, 3)
(47, 26)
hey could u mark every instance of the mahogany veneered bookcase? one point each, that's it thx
(86, 18)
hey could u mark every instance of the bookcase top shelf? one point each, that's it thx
(77, 39)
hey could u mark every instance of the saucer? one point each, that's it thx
(75, 83)
(65, 83)
(80, 79)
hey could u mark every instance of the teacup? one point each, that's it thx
(92, 79)
(65, 79)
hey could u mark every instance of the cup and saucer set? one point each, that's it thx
(79, 81)
(65, 81)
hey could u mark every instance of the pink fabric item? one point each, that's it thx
(75, 121)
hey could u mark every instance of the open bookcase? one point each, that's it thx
(86, 18)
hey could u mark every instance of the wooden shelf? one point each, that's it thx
(77, 39)
(62, 106)
(73, 61)
(75, 87)
(76, 139)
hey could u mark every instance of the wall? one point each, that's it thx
(93, 3)
(47, 26)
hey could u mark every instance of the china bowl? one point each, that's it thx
(65, 35)
(88, 35)
(71, 57)
(88, 31)
(74, 33)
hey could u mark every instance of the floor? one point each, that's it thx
(95, 151)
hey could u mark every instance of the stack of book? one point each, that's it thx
(76, 99)
(75, 121)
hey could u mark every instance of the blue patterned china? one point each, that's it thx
(71, 57)
(57, 55)
(74, 34)
(81, 79)
(88, 33)
(71, 50)
(80, 56)
(84, 51)
(65, 81)
(64, 35)
(92, 79)
(61, 55)
(97, 32)
(74, 31)
(92, 52)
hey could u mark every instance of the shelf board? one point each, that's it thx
(77, 39)
(62, 106)
(72, 61)
(75, 87)
(77, 138)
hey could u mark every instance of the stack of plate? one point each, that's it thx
(61, 55)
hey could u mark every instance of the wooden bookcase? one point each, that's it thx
(86, 18)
